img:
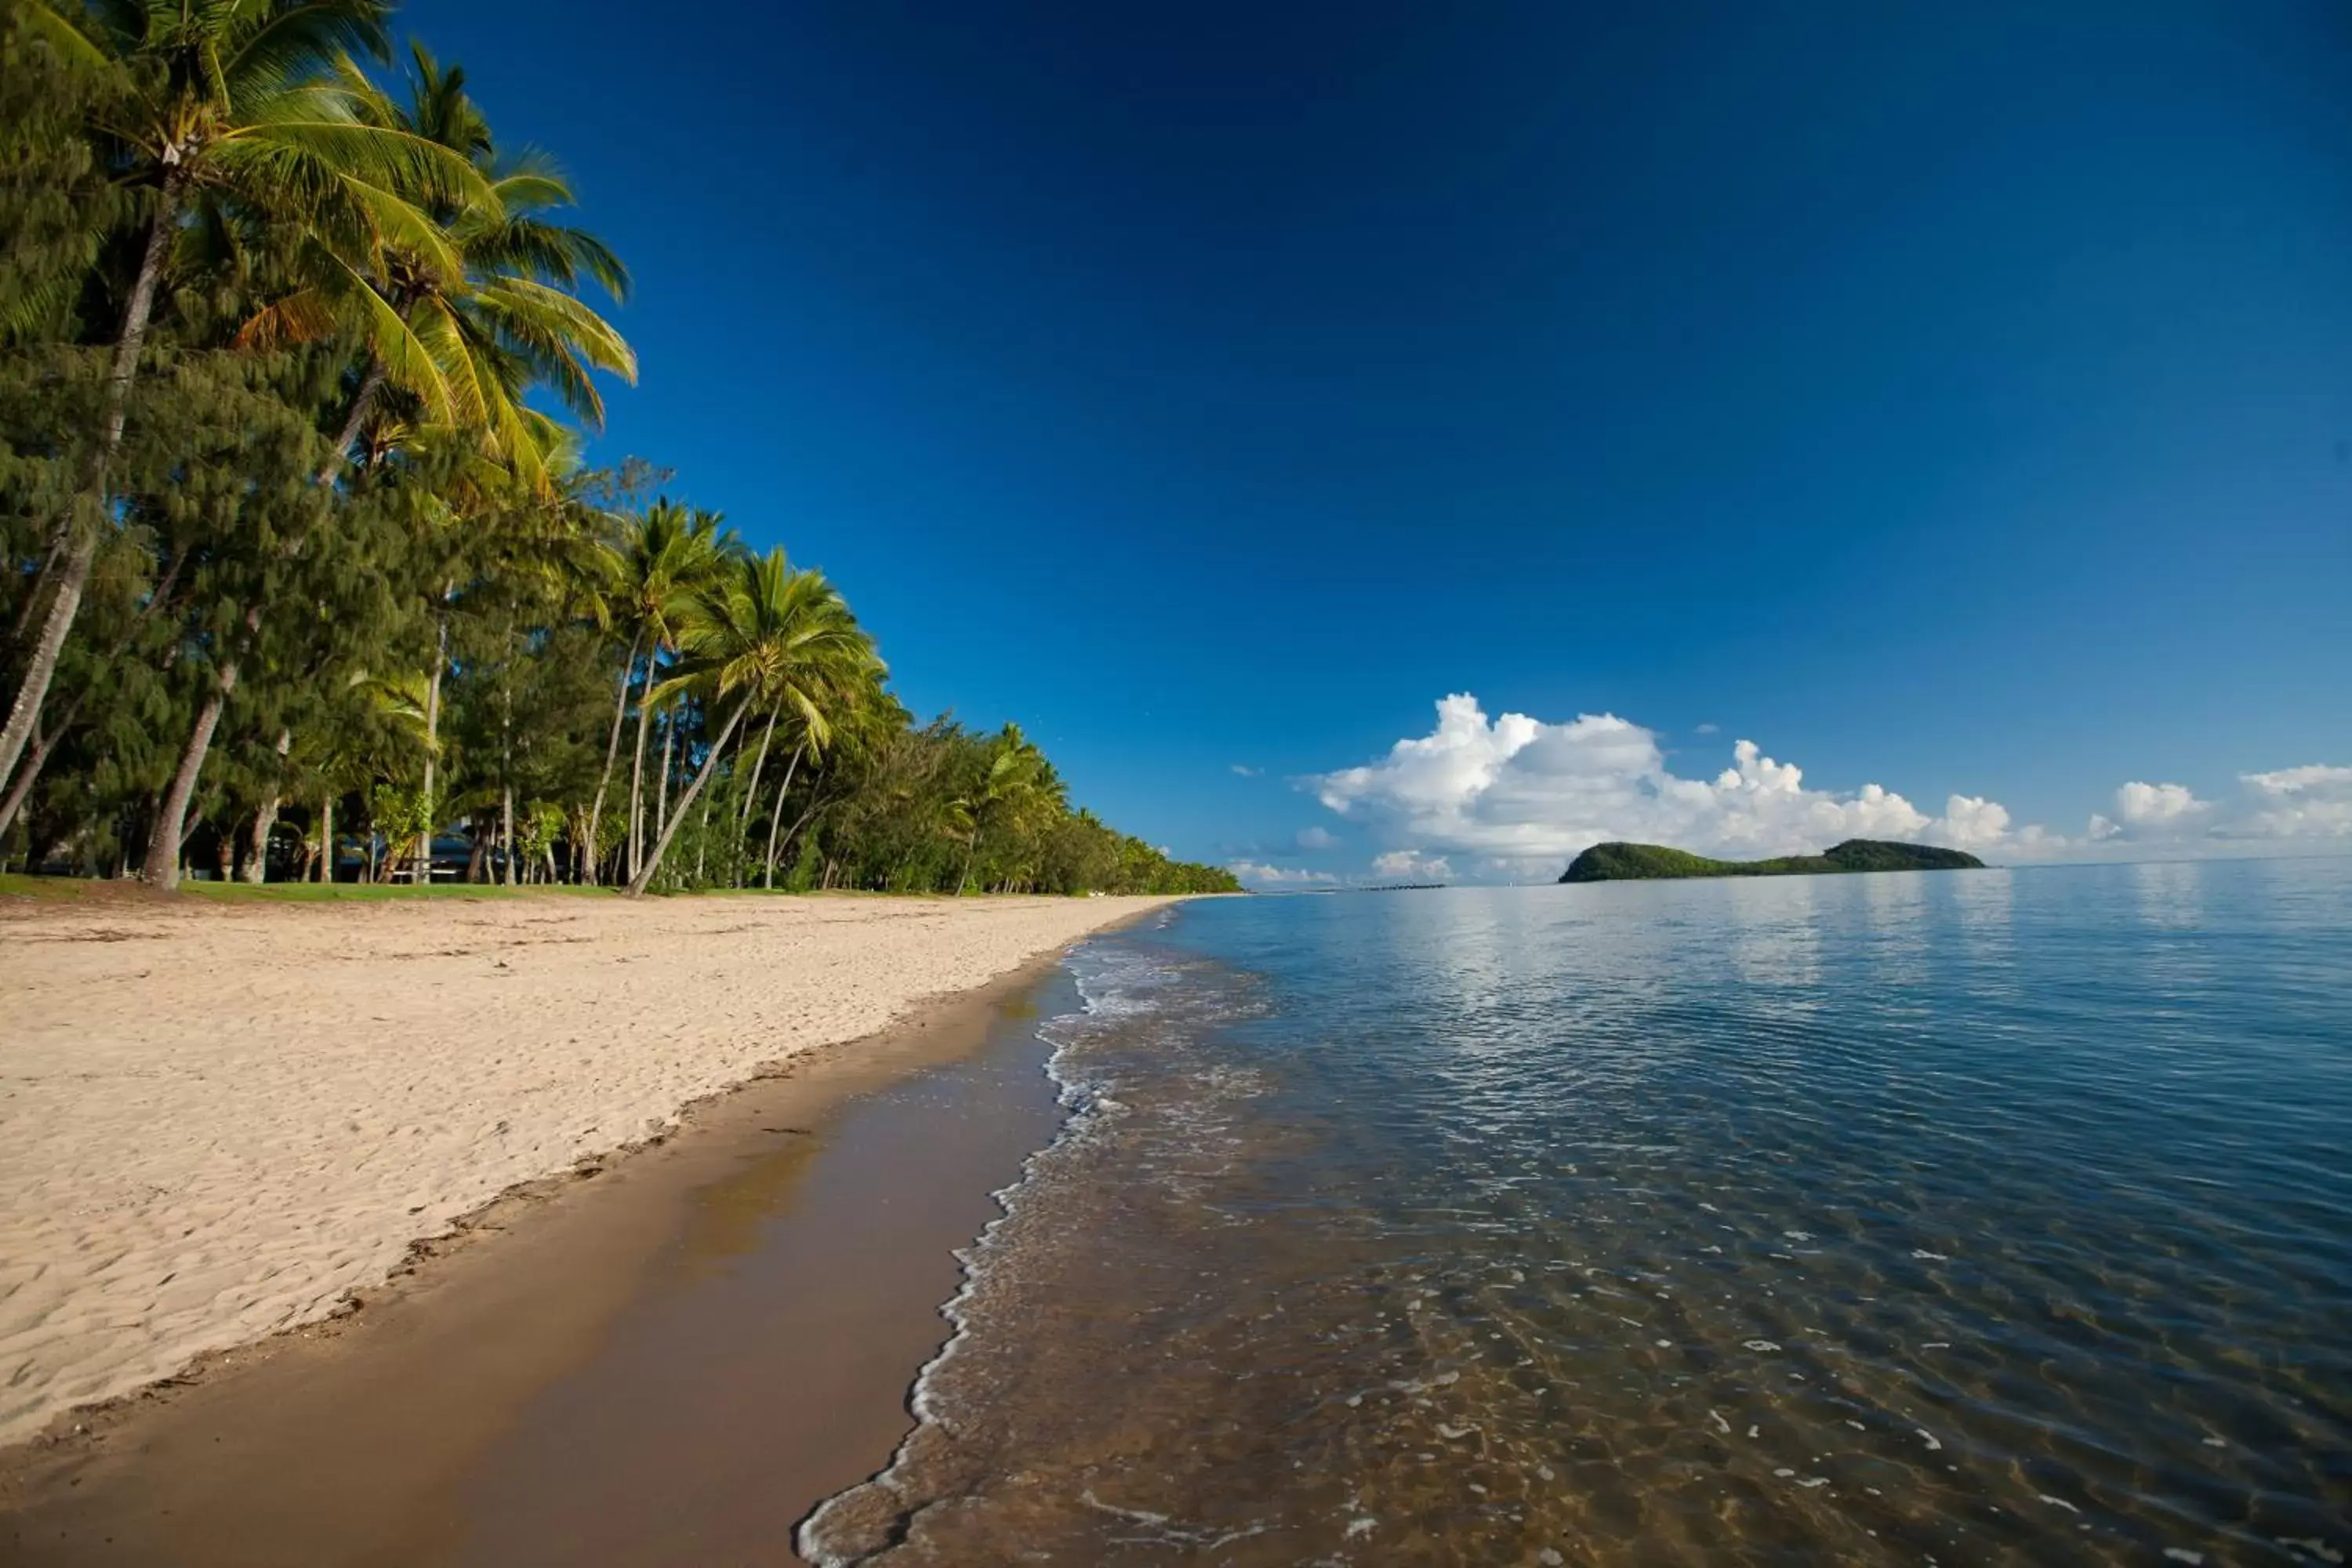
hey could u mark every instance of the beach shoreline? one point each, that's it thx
(157, 1051)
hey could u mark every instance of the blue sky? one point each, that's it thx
(1956, 399)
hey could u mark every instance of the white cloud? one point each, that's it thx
(2313, 801)
(1519, 796)
(1972, 822)
(1265, 876)
(1410, 863)
(2303, 804)
(1315, 838)
(1706, 730)
(2164, 806)
(1246, 770)
(1530, 794)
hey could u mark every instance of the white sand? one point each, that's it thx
(215, 1121)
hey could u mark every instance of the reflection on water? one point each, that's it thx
(2168, 894)
(2000, 1217)
(727, 1218)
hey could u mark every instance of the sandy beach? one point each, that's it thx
(218, 1122)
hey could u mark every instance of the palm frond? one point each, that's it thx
(535, 313)
(442, 341)
(293, 42)
(63, 32)
(399, 223)
(407, 359)
(393, 159)
(305, 316)
(553, 253)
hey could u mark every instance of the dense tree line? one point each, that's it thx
(305, 579)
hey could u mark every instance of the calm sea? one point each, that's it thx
(1955, 1218)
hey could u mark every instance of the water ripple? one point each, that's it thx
(1981, 1218)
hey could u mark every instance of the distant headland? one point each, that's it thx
(1652, 862)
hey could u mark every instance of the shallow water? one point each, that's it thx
(1964, 1218)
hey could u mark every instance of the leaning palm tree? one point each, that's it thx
(665, 559)
(764, 635)
(224, 102)
(837, 676)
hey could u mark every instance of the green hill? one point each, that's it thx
(1652, 862)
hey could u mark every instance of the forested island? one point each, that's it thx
(1655, 862)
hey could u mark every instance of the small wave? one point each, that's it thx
(1121, 987)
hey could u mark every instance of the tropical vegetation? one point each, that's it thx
(307, 579)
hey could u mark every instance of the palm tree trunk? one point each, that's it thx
(163, 866)
(752, 792)
(612, 750)
(26, 778)
(422, 869)
(45, 740)
(702, 844)
(970, 845)
(778, 820)
(327, 840)
(816, 804)
(64, 606)
(637, 774)
(258, 869)
(506, 776)
(758, 766)
(369, 384)
(661, 791)
(644, 876)
(74, 579)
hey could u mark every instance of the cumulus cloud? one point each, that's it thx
(1315, 838)
(1972, 822)
(1515, 795)
(1523, 792)
(1245, 771)
(2314, 801)
(1259, 874)
(2312, 804)
(1706, 730)
(2162, 806)
(1410, 863)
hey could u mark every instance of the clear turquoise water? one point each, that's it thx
(1955, 1218)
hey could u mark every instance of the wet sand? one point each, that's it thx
(672, 1361)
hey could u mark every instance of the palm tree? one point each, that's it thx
(838, 674)
(668, 557)
(1016, 774)
(221, 102)
(481, 293)
(461, 309)
(763, 635)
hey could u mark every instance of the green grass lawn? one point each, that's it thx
(14, 885)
